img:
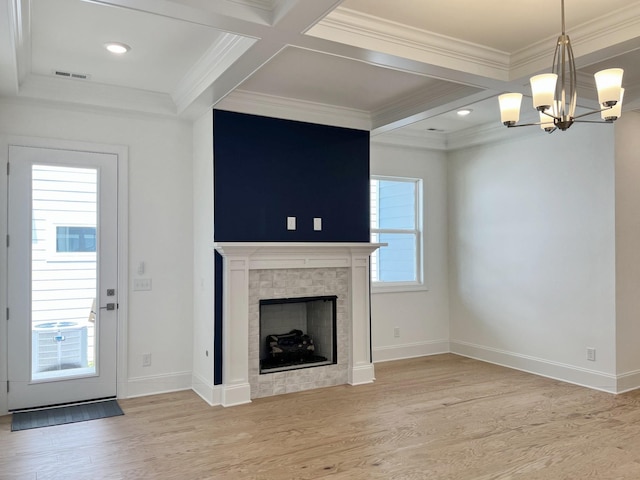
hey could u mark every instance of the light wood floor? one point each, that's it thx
(441, 417)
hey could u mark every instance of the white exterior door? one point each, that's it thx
(62, 276)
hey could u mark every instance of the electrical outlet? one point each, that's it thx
(146, 359)
(396, 332)
(591, 354)
(291, 223)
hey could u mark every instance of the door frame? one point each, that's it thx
(122, 153)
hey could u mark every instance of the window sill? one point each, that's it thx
(397, 288)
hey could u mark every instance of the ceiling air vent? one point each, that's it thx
(77, 76)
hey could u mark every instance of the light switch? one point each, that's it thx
(317, 224)
(140, 284)
(291, 223)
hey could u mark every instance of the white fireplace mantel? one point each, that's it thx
(273, 255)
(240, 257)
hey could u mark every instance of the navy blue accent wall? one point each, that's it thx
(267, 169)
(217, 323)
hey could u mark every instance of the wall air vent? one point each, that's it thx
(77, 76)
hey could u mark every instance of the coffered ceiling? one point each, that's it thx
(404, 66)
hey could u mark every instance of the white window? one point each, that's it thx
(75, 239)
(396, 220)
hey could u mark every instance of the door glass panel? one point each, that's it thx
(63, 272)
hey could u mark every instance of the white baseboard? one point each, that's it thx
(209, 392)
(545, 368)
(239, 394)
(410, 350)
(232, 395)
(154, 384)
(362, 374)
(628, 381)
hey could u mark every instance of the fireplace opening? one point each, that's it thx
(297, 333)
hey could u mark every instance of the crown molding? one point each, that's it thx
(268, 5)
(253, 103)
(467, 138)
(412, 139)
(496, 133)
(221, 55)
(54, 105)
(615, 28)
(366, 31)
(83, 92)
(489, 133)
(259, 12)
(426, 99)
(256, 12)
(470, 137)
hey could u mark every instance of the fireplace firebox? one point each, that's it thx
(297, 333)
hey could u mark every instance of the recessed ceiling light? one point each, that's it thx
(117, 47)
(465, 112)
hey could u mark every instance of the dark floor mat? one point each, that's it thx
(61, 415)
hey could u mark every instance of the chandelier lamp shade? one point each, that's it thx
(554, 94)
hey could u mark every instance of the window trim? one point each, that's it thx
(419, 284)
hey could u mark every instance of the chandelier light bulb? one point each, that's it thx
(543, 89)
(510, 108)
(609, 84)
(546, 122)
(613, 113)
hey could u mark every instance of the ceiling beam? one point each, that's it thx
(423, 112)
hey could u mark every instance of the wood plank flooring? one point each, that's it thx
(440, 417)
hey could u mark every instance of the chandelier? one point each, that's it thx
(554, 94)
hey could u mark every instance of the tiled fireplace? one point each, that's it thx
(265, 271)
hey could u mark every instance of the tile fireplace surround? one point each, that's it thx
(249, 270)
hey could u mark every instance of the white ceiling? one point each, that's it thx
(69, 35)
(401, 67)
(321, 78)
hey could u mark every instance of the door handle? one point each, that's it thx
(110, 306)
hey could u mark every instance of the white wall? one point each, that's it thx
(423, 316)
(160, 321)
(627, 179)
(532, 266)
(531, 238)
(203, 275)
